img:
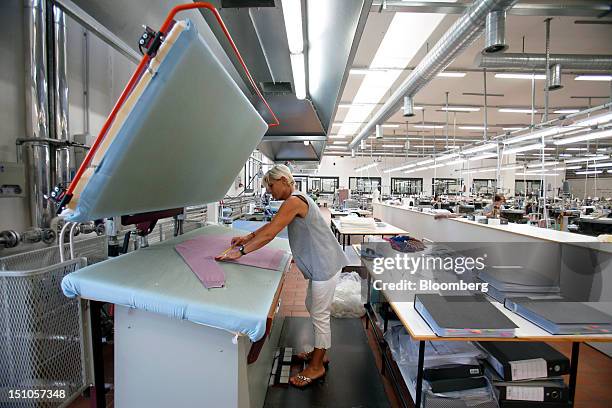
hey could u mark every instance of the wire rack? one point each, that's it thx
(41, 330)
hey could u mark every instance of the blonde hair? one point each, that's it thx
(276, 172)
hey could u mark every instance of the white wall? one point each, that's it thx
(344, 167)
(591, 187)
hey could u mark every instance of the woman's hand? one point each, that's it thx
(237, 241)
(230, 255)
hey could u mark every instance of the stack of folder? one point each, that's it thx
(463, 316)
(562, 317)
(520, 284)
(527, 374)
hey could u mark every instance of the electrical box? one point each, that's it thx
(12, 179)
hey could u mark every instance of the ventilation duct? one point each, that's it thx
(530, 62)
(495, 32)
(408, 106)
(554, 81)
(459, 36)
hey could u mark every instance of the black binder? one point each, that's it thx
(502, 354)
(457, 384)
(450, 371)
(551, 394)
(533, 404)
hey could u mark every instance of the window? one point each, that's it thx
(445, 186)
(364, 184)
(485, 186)
(252, 174)
(327, 185)
(533, 187)
(406, 186)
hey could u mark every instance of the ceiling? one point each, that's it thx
(523, 34)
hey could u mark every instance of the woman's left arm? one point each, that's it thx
(286, 213)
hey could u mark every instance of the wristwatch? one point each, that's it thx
(241, 249)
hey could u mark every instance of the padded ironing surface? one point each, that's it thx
(180, 139)
(156, 279)
(255, 225)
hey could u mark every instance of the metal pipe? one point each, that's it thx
(486, 120)
(37, 155)
(530, 62)
(495, 32)
(547, 68)
(459, 36)
(555, 78)
(60, 95)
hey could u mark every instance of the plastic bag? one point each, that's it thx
(347, 297)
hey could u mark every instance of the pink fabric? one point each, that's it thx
(199, 253)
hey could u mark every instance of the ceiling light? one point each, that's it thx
(520, 149)
(460, 109)
(428, 161)
(481, 148)
(483, 156)
(566, 111)
(407, 166)
(520, 76)
(572, 167)
(546, 164)
(471, 127)
(593, 78)
(606, 164)
(337, 136)
(565, 155)
(577, 149)
(589, 172)
(337, 147)
(299, 75)
(358, 71)
(587, 159)
(583, 138)
(391, 126)
(447, 157)
(595, 120)
(515, 110)
(367, 166)
(536, 134)
(536, 174)
(392, 145)
(436, 166)
(292, 14)
(428, 126)
(512, 167)
(508, 129)
(341, 142)
(452, 74)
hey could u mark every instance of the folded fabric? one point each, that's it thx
(199, 253)
(404, 243)
(361, 222)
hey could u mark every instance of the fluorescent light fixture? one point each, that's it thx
(583, 138)
(392, 145)
(558, 168)
(536, 174)
(299, 75)
(337, 147)
(428, 126)
(546, 164)
(577, 149)
(407, 166)
(447, 157)
(521, 149)
(454, 162)
(572, 167)
(460, 109)
(517, 167)
(367, 166)
(515, 110)
(337, 136)
(428, 161)
(565, 155)
(560, 111)
(589, 172)
(606, 164)
(595, 120)
(588, 159)
(471, 127)
(341, 142)
(519, 76)
(483, 156)
(593, 78)
(434, 166)
(391, 126)
(536, 135)
(358, 71)
(292, 14)
(452, 74)
(509, 129)
(481, 148)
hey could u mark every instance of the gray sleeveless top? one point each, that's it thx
(315, 250)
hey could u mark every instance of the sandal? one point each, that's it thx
(307, 356)
(307, 381)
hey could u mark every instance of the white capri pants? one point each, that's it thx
(319, 299)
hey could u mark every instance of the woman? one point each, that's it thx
(316, 253)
